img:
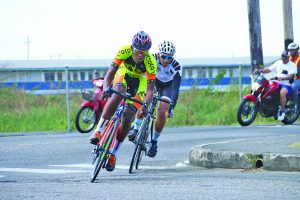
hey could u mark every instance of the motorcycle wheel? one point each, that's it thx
(85, 120)
(291, 116)
(246, 113)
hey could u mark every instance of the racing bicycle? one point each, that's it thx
(104, 148)
(145, 133)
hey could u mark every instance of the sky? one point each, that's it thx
(96, 29)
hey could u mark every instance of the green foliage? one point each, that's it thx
(295, 145)
(205, 107)
(21, 112)
(253, 158)
(217, 79)
(24, 112)
(198, 107)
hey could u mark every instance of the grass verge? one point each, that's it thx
(25, 112)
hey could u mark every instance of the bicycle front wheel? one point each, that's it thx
(139, 145)
(100, 159)
(102, 152)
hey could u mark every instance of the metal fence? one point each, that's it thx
(66, 80)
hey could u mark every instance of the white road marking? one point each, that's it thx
(126, 167)
(41, 171)
(88, 167)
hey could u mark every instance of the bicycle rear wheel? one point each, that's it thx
(139, 145)
(103, 153)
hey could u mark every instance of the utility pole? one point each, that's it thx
(255, 34)
(287, 22)
(27, 43)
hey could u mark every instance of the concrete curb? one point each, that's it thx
(199, 156)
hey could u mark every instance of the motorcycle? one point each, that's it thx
(88, 115)
(265, 99)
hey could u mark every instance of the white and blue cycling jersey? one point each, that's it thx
(168, 79)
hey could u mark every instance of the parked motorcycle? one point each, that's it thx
(88, 115)
(265, 99)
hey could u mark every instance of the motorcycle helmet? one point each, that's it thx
(293, 46)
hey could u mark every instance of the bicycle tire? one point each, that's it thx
(136, 157)
(139, 153)
(97, 165)
(151, 129)
(144, 142)
(102, 158)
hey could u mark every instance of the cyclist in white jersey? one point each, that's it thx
(168, 78)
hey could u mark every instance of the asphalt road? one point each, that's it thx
(57, 166)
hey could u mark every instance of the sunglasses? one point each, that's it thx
(137, 51)
(166, 57)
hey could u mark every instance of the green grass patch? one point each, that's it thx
(21, 112)
(25, 112)
(254, 158)
(295, 145)
(210, 107)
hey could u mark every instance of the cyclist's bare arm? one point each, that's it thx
(149, 91)
(109, 77)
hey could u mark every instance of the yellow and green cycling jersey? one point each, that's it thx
(124, 59)
(133, 76)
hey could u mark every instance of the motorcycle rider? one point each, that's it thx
(285, 70)
(295, 58)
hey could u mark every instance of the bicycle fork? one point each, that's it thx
(107, 142)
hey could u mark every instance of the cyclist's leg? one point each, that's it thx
(163, 107)
(136, 126)
(140, 94)
(127, 117)
(166, 90)
(110, 107)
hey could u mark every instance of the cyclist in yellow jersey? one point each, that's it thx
(133, 70)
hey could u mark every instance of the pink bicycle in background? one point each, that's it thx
(88, 115)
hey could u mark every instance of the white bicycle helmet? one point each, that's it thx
(293, 46)
(166, 47)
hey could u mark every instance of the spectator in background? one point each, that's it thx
(295, 58)
(285, 71)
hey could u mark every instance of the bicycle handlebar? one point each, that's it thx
(126, 96)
